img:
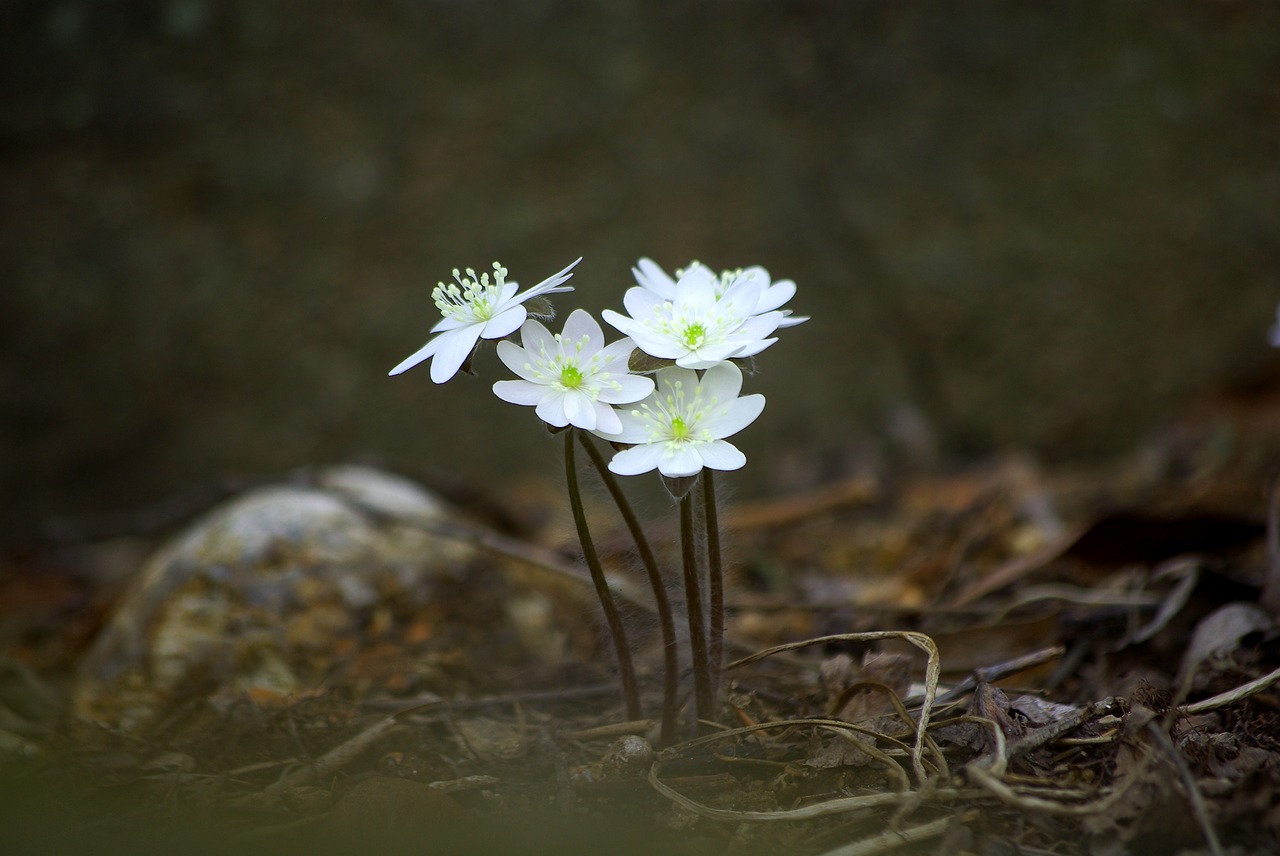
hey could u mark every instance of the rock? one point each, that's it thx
(281, 592)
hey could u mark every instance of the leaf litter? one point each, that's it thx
(998, 659)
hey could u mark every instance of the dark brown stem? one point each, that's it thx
(715, 585)
(671, 660)
(630, 692)
(693, 605)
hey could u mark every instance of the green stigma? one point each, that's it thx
(679, 429)
(570, 377)
(695, 335)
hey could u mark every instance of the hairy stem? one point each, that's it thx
(693, 601)
(671, 661)
(630, 693)
(715, 585)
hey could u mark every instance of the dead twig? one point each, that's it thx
(933, 670)
(1231, 696)
(892, 839)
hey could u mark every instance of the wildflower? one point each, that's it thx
(701, 323)
(772, 294)
(475, 308)
(681, 427)
(573, 377)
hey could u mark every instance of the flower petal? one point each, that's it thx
(635, 427)
(551, 284)
(423, 353)
(651, 276)
(719, 455)
(551, 409)
(682, 459)
(519, 392)
(538, 341)
(455, 347)
(619, 351)
(517, 358)
(754, 348)
(636, 460)
(607, 420)
(630, 388)
(741, 413)
(722, 383)
(579, 326)
(578, 410)
(505, 322)
(640, 303)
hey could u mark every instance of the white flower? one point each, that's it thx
(772, 294)
(572, 377)
(476, 308)
(699, 324)
(681, 427)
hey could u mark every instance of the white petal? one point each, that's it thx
(705, 358)
(636, 460)
(776, 295)
(607, 421)
(551, 409)
(423, 353)
(515, 357)
(631, 388)
(537, 340)
(740, 414)
(455, 347)
(580, 324)
(634, 427)
(789, 320)
(681, 460)
(550, 285)
(450, 324)
(754, 348)
(719, 455)
(741, 298)
(619, 351)
(519, 392)
(505, 322)
(722, 383)
(651, 276)
(658, 345)
(640, 303)
(618, 321)
(759, 326)
(669, 377)
(509, 290)
(579, 410)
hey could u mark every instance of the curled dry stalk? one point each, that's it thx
(627, 673)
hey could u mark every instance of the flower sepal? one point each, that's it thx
(641, 363)
(679, 486)
(539, 308)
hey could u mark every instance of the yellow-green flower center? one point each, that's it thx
(570, 377)
(694, 335)
(679, 429)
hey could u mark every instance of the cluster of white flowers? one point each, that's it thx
(691, 326)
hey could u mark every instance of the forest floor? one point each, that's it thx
(1001, 658)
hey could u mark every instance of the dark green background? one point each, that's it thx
(1032, 224)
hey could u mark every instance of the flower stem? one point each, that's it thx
(715, 585)
(671, 661)
(630, 693)
(693, 601)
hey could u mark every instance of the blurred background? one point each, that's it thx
(1043, 226)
